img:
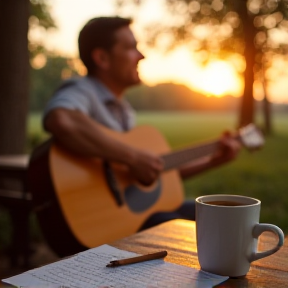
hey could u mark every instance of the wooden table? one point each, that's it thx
(178, 237)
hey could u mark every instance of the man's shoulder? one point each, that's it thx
(73, 93)
(76, 82)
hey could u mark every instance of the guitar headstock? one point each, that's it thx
(251, 137)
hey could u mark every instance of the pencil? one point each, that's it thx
(137, 259)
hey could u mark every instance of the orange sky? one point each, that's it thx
(179, 66)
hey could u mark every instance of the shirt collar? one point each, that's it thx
(105, 95)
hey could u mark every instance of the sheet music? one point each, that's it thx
(88, 270)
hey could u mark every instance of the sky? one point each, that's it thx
(179, 66)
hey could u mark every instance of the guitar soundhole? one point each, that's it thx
(138, 201)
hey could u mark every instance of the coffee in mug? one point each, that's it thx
(224, 203)
(227, 229)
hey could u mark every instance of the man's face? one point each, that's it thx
(124, 58)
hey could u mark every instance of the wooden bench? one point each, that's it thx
(15, 197)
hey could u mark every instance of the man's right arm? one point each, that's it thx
(81, 135)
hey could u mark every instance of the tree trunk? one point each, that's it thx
(267, 115)
(14, 75)
(247, 105)
(267, 109)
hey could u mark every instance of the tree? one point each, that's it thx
(14, 63)
(259, 19)
(247, 105)
(234, 25)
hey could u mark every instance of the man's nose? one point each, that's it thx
(141, 56)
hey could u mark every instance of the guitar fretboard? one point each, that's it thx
(180, 157)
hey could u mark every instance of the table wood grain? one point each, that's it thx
(178, 237)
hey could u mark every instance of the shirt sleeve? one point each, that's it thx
(70, 95)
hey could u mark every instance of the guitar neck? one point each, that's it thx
(180, 157)
(183, 156)
(249, 136)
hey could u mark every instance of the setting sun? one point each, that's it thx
(217, 78)
(220, 79)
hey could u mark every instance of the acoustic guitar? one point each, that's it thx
(85, 202)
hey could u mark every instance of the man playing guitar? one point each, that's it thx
(81, 106)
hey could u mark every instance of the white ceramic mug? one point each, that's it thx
(227, 236)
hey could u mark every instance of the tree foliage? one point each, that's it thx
(188, 21)
(40, 19)
(45, 80)
(41, 11)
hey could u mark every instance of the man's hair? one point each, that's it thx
(98, 33)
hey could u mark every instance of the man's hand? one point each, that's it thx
(228, 150)
(146, 166)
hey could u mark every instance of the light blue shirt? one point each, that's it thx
(93, 98)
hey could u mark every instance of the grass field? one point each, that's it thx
(262, 174)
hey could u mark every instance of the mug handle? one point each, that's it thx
(258, 230)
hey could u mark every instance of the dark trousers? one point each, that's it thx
(186, 211)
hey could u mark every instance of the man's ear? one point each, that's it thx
(101, 58)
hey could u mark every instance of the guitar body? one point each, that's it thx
(85, 202)
(74, 195)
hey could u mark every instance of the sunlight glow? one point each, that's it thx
(181, 66)
(258, 90)
(39, 61)
(218, 78)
